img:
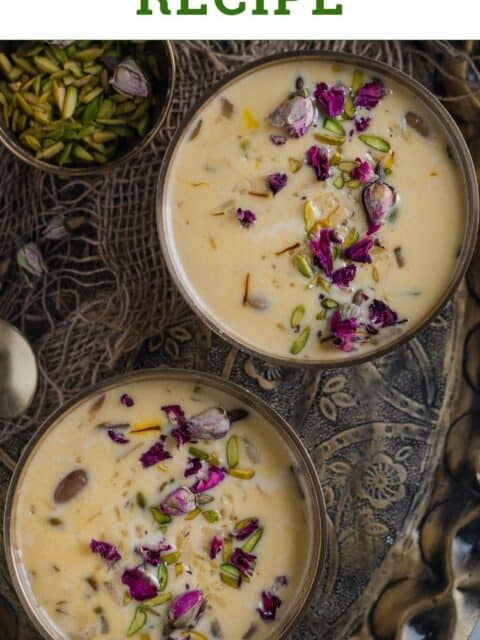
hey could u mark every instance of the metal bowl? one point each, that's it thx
(306, 474)
(458, 147)
(163, 93)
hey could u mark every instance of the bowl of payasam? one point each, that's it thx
(317, 208)
(165, 505)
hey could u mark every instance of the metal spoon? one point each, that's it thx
(18, 372)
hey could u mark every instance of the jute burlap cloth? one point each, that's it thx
(107, 292)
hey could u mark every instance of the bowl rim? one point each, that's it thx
(317, 508)
(11, 143)
(466, 170)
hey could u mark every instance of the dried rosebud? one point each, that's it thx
(178, 502)
(210, 424)
(129, 79)
(186, 609)
(370, 95)
(296, 114)
(107, 551)
(321, 247)
(318, 159)
(215, 547)
(331, 99)
(243, 561)
(276, 182)
(139, 584)
(378, 199)
(55, 229)
(364, 172)
(30, 259)
(344, 276)
(215, 476)
(245, 217)
(344, 331)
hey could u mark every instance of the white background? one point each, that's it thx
(370, 19)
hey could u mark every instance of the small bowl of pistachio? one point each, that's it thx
(80, 107)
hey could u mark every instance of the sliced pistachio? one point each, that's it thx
(141, 500)
(357, 80)
(162, 598)
(233, 453)
(329, 138)
(338, 182)
(353, 184)
(375, 142)
(44, 64)
(399, 257)
(375, 274)
(303, 265)
(198, 453)
(334, 126)
(350, 109)
(309, 215)
(297, 316)
(242, 474)
(172, 557)
(162, 576)
(329, 303)
(300, 341)
(50, 152)
(193, 514)
(204, 498)
(55, 522)
(347, 165)
(211, 516)
(138, 622)
(160, 517)
(351, 238)
(227, 549)
(5, 64)
(230, 575)
(70, 102)
(321, 315)
(295, 165)
(252, 541)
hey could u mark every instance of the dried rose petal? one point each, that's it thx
(278, 140)
(269, 606)
(373, 228)
(139, 584)
(359, 252)
(211, 424)
(243, 561)
(247, 530)
(215, 547)
(194, 465)
(152, 555)
(127, 400)
(343, 277)
(186, 609)
(119, 438)
(178, 502)
(155, 454)
(364, 172)
(129, 79)
(215, 476)
(276, 182)
(344, 331)
(331, 99)
(378, 199)
(109, 552)
(318, 159)
(321, 247)
(30, 259)
(55, 229)
(280, 581)
(296, 114)
(381, 315)
(370, 95)
(362, 124)
(246, 217)
(176, 417)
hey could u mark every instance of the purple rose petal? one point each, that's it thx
(186, 609)
(276, 182)
(364, 172)
(278, 140)
(214, 477)
(359, 252)
(269, 606)
(373, 228)
(318, 159)
(343, 277)
(107, 551)
(321, 247)
(362, 124)
(155, 454)
(370, 95)
(127, 400)
(247, 530)
(119, 438)
(344, 331)
(381, 315)
(243, 561)
(215, 547)
(194, 465)
(178, 502)
(152, 555)
(331, 99)
(246, 217)
(140, 586)
(177, 419)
